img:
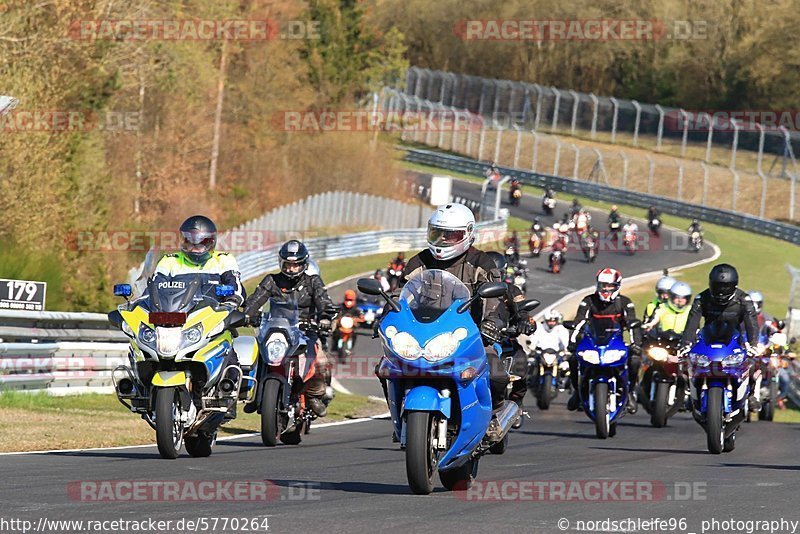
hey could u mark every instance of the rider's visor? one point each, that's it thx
(443, 237)
(197, 242)
(292, 267)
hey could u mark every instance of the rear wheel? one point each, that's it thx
(459, 479)
(658, 417)
(500, 447)
(730, 443)
(420, 455)
(601, 422)
(767, 412)
(200, 446)
(715, 430)
(271, 426)
(169, 428)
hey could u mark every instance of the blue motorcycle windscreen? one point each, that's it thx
(432, 292)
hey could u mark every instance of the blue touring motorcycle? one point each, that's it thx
(438, 378)
(720, 384)
(603, 377)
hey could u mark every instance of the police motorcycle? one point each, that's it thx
(178, 380)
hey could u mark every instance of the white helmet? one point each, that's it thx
(758, 300)
(451, 231)
(664, 284)
(553, 315)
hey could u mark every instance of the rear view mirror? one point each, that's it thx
(236, 319)
(369, 286)
(569, 325)
(491, 290)
(529, 305)
(115, 318)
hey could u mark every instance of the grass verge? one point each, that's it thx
(97, 420)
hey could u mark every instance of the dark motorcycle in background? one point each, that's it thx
(664, 384)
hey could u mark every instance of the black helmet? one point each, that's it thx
(498, 259)
(293, 258)
(199, 235)
(722, 281)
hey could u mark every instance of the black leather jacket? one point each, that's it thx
(307, 290)
(738, 311)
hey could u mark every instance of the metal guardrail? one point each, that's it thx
(783, 231)
(35, 348)
(253, 264)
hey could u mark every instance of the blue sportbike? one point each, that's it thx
(603, 377)
(437, 376)
(720, 384)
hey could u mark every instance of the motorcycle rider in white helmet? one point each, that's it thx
(451, 232)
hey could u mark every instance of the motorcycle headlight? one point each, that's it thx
(549, 358)
(346, 322)
(406, 346)
(444, 345)
(659, 354)
(733, 360)
(276, 348)
(700, 360)
(194, 334)
(519, 280)
(146, 334)
(590, 356)
(168, 340)
(611, 356)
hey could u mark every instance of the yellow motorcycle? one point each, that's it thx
(180, 379)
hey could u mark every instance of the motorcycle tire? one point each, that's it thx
(271, 426)
(715, 429)
(601, 416)
(420, 454)
(201, 445)
(658, 417)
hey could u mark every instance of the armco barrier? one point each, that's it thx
(783, 231)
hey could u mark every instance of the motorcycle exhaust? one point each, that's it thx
(125, 386)
(509, 415)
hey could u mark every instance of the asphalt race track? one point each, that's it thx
(555, 477)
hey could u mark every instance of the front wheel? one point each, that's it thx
(169, 427)
(420, 455)
(715, 430)
(658, 416)
(601, 418)
(544, 396)
(270, 413)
